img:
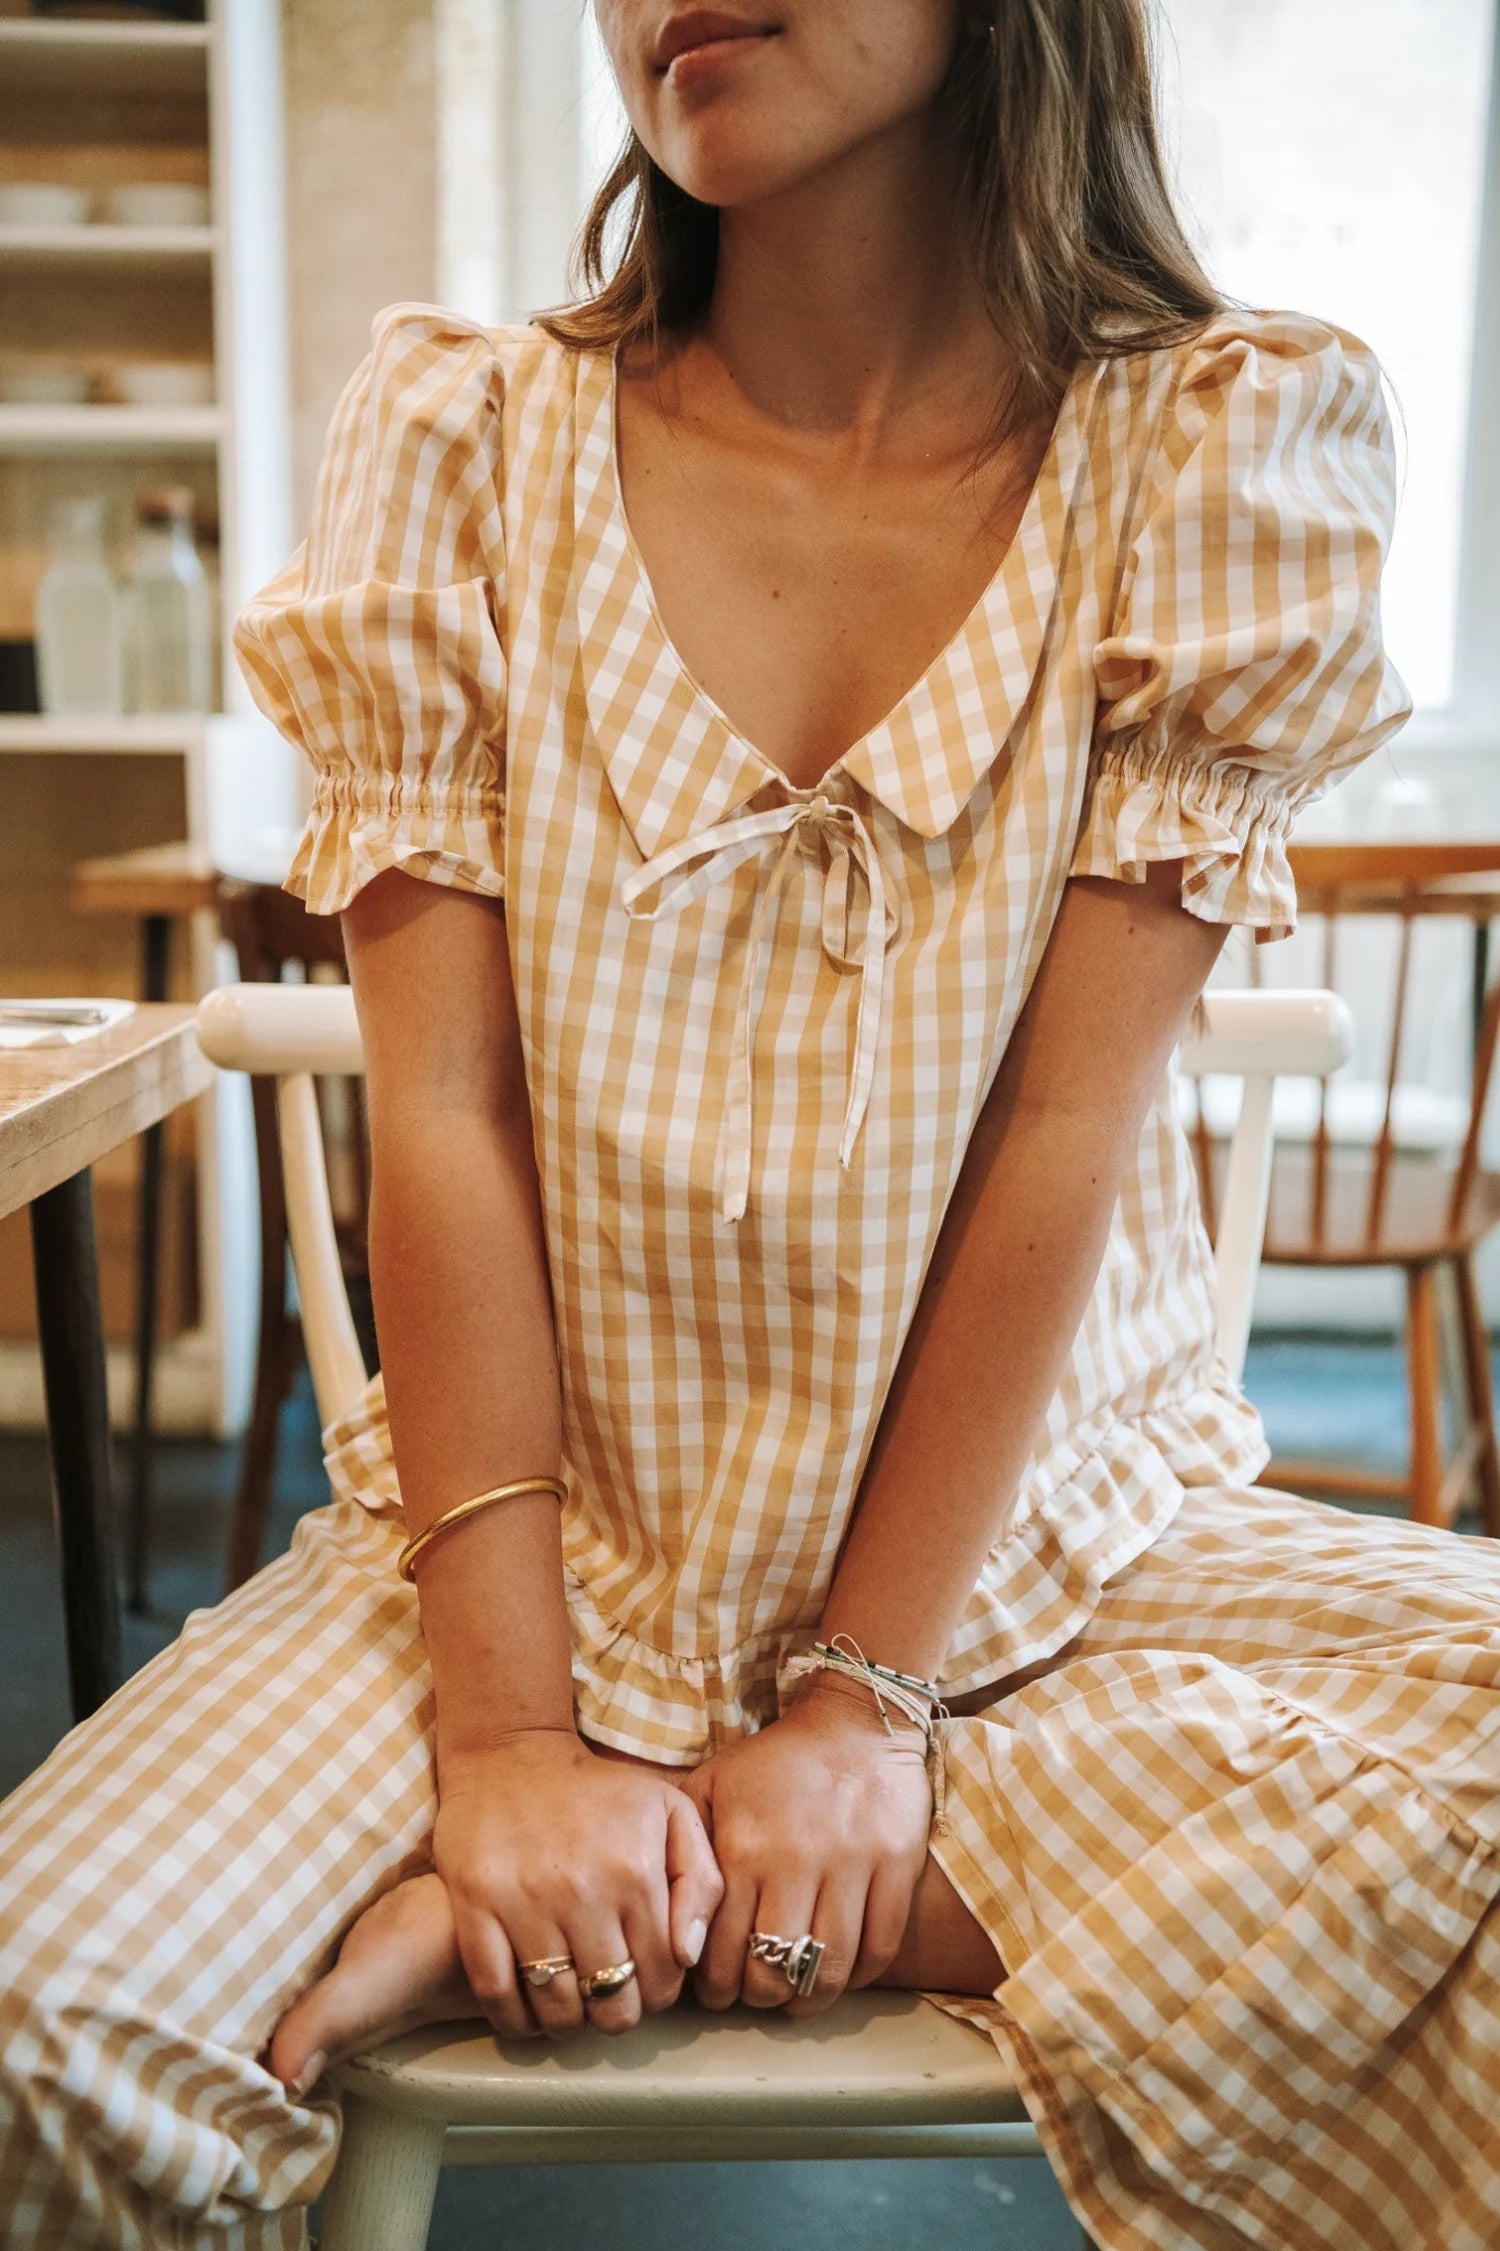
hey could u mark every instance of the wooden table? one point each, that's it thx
(60, 1109)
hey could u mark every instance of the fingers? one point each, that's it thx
(722, 1967)
(556, 2005)
(695, 1884)
(659, 1974)
(490, 1967)
(887, 1912)
(598, 1943)
(838, 1921)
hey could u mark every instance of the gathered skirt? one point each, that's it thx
(1238, 1848)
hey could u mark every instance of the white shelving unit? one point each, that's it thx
(203, 101)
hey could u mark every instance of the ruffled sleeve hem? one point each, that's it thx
(1228, 826)
(363, 823)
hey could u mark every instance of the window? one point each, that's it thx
(1330, 157)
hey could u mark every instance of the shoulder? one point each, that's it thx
(427, 361)
(1264, 415)
(1259, 378)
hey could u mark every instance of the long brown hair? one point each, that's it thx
(1076, 246)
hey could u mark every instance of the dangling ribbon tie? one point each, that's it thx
(700, 861)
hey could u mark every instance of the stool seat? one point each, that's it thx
(878, 2058)
(881, 2075)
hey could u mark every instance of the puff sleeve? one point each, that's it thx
(1243, 672)
(377, 648)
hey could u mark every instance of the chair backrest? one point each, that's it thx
(272, 934)
(1408, 882)
(293, 1032)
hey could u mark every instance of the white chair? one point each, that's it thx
(883, 2074)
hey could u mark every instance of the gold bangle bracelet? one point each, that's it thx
(413, 1548)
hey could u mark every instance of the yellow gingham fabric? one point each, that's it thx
(1238, 1844)
(1240, 1852)
(760, 1021)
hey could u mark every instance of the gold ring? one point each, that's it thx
(543, 1971)
(602, 1985)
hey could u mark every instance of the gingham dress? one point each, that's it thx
(1238, 1844)
(760, 1022)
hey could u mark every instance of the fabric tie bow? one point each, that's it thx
(699, 861)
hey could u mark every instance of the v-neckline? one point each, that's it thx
(992, 603)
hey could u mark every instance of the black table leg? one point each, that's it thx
(1480, 975)
(72, 1336)
(156, 939)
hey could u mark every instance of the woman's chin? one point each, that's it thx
(731, 163)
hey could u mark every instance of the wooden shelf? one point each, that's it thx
(140, 251)
(108, 104)
(116, 429)
(101, 58)
(165, 734)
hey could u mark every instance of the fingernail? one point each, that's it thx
(310, 2074)
(694, 1938)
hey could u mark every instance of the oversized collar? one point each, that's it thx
(675, 762)
(682, 775)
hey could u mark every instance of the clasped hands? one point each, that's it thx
(549, 1850)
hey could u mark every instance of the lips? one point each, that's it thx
(704, 27)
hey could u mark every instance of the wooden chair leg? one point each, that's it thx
(275, 1352)
(1480, 1390)
(385, 2182)
(1424, 1361)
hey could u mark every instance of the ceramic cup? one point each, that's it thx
(164, 383)
(42, 203)
(157, 203)
(44, 383)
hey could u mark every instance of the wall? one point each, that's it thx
(361, 191)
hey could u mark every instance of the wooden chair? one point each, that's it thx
(273, 934)
(882, 2075)
(1377, 1175)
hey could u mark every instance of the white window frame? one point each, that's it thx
(1470, 726)
(510, 185)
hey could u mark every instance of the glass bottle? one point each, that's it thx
(80, 637)
(169, 629)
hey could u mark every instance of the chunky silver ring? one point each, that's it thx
(799, 1959)
(603, 1985)
(543, 1971)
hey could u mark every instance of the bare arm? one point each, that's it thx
(1017, 1260)
(821, 1821)
(459, 1276)
(545, 1850)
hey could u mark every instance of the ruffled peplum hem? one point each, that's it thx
(1102, 1498)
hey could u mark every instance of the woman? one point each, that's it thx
(791, 736)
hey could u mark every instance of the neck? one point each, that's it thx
(839, 305)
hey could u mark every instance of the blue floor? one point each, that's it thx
(1333, 1399)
